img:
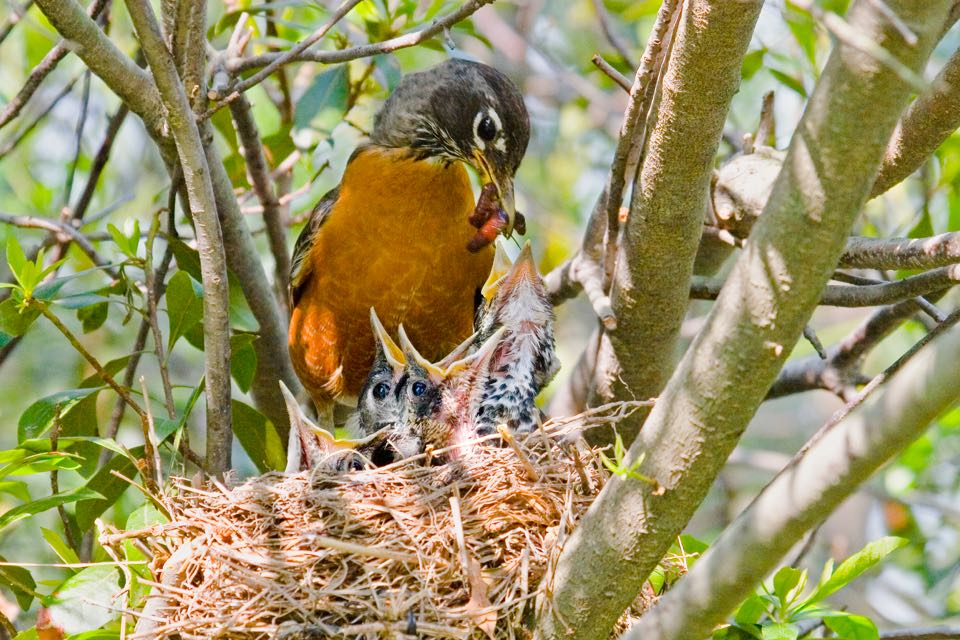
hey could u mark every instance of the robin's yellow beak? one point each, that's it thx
(490, 171)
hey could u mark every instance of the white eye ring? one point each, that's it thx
(498, 129)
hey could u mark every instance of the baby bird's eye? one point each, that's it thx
(419, 388)
(381, 390)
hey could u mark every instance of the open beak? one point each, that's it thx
(524, 269)
(393, 353)
(504, 185)
(412, 355)
(501, 265)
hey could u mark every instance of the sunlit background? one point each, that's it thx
(576, 110)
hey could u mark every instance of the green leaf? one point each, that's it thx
(144, 516)
(112, 368)
(12, 321)
(751, 610)
(789, 81)
(39, 416)
(923, 228)
(63, 551)
(852, 627)
(326, 97)
(128, 245)
(93, 316)
(387, 72)
(107, 488)
(97, 634)
(258, 437)
(780, 631)
(16, 259)
(752, 62)
(19, 580)
(87, 600)
(856, 564)
(43, 504)
(39, 463)
(243, 359)
(277, 146)
(803, 28)
(189, 260)
(785, 580)
(184, 306)
(15, 488)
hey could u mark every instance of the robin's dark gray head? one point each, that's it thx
(460, 110)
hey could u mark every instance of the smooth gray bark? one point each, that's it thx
(771, 292)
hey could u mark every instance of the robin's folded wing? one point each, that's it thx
(300, 267)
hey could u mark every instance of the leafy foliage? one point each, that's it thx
(778, 611)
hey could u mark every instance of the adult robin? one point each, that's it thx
(393, 235)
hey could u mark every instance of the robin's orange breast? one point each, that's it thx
(395, 240)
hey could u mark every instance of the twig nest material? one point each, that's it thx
(458, 550)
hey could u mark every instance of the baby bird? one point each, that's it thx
(439, 399)
(525, 359)
(378, 405)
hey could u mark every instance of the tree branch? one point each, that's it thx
(901, 253)
(938, 633)
(42, 70)
(213, 267)
(665, 222)
(363, 51)
(273, 360)
(608, 31)
(839, 372)
(111, 65)
(63, 232)
(836, 462)
(25, 130)
(869, 295)
(773, 288)
(15, 16)
(926, 123)
(591, 268)
(263, 186)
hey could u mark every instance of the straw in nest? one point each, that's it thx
(458, 550)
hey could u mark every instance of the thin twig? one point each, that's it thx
(364, 51)
(17, 138)
(61, 229)
(99, 162)
(937, 633)
(289, 56)
(151, 455)
(870, 295)
(15, 16)
(152, 315)
(89, 357)
(259, 174)
(610, 71)
(55, 483)
(610, 34)
(78, 138)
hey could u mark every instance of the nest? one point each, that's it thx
(455, 550)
